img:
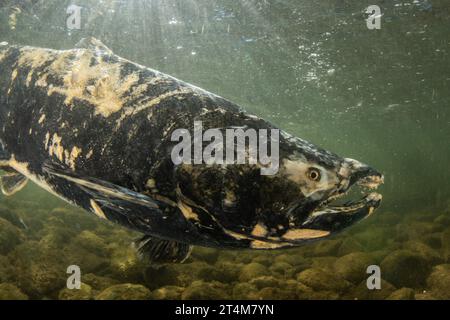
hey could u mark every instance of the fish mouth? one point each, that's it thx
(338, 212)
(329, 216)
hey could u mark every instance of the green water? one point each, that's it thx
(314, 69)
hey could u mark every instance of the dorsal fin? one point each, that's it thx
(12, 182)
(93, 44)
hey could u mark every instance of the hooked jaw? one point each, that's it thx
(328, 217)
(333, 218)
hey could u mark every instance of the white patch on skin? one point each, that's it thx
(151, 183)
(257, 244)
(259, 230)
(34, 57)
(297, 170)
(153, 102)
(29, 78)
(108, 89)
(107, 93)
(14, 75)
(56, 147)
(187, 211)
(235, 235)
(47, 139)
(230, 198)
(89, 154)
(72, 157)
(97, 210)
(2, 56)
(41, 119)
(303, 234)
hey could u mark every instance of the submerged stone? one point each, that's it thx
(9, 291)
(439, 281)
(253, 270)
(404, 268)
(200, 290)
(126, 291)
(402, 294)
(84, 293)
(10, 236)
(319, 279)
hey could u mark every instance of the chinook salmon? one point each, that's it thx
(96, 130)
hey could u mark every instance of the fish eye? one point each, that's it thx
(313, 174)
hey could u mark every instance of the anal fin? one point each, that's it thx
(159, 251)
(12, 182)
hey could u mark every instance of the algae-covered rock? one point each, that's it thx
(282, 269)
(404, 268)
(86, 260)
(275, 293)
(9, 291)
(265, 260)
(304, 292)
(230, 271)
(244, 291)
(433, 240)
(159, 276)
(200, 290)
(325, 263)
(425, 295)
(294, 259)
(38, 271)
(402, 294)
(126, 265)
(439, 281)
(361, 292)
(442, 220)
(430, 255)
(253, 270)
(10, 236)
(353, 266)
(11, 216)
(84, 293)
(125, 291)
(446, 244)
(319, 279)
(91, 242)
(75, 218)
(6, 270)
(98, 282)
(205, 254)
(210, 273)
(168, 293)
(265, 282)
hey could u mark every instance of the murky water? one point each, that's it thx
(312, 68)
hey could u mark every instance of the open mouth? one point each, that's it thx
(340, 210)
(341, 201)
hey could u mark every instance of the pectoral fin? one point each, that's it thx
(154, 250)
(126, 207)
(12, 182)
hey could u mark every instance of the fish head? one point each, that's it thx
(293, 205)
(323, 179)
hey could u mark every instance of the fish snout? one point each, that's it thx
(362, 174)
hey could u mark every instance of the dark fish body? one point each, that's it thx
(95, 129)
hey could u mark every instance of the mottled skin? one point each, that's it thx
(108, 122)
